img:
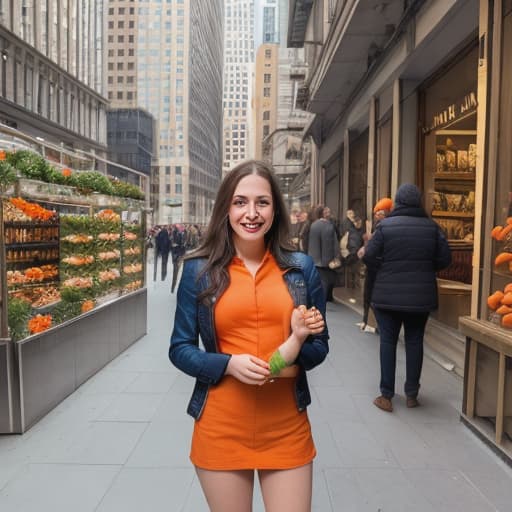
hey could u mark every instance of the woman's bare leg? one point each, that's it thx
(287, 490)
(227, 491)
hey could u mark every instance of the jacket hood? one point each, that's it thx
(408, 195)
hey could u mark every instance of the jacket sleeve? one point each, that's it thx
(443, 253)
(184, 351)
(315, 348)
(373, 251)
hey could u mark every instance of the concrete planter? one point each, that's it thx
(38, 372)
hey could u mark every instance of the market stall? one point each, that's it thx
(72, 280)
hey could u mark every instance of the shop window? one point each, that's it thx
(501, 257)
(450, 162)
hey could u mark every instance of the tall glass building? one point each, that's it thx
(166, 57)
(51, 70)
(238, 78)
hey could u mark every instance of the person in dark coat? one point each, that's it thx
(323, 248)
(406, 251)
(162, 248)
(178, 250)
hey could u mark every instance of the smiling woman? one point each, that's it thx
(266, 329)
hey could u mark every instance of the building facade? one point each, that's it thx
(405, 92)
(52, 79)
(130, 142)
(277, 120)
(238, 82)
(153, 64)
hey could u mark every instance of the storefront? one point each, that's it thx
(487, 401)
(447, 175)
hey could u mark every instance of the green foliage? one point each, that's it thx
(33, 166)
(66, 311)
(7, 174)
(93, 181)
(123, 189)
(18, 313)
(68, 294)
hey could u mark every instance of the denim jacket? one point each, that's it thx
(194, 319)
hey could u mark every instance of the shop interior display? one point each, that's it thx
(500, 301)
(453, 199)
(63, 265)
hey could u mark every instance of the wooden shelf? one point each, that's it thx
(460, 215)
(464, 176)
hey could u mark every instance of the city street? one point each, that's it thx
(120, 443)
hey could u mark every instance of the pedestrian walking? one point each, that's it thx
(405, 252)
(178, 250)
(162, 248)
(259, 310)
(381, 210)
(323, 249)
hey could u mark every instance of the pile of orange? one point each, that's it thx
(39, 323)
(32, 210)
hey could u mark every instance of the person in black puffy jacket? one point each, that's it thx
(406, 251)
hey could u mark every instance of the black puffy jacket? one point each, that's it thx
(406, 251)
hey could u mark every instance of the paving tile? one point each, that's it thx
(152, 382)
(359, 447)
(378, 490)
(132, 407)
(108, 381)
(109, 443)
(151, 489)
(494, 485)
(134, 362)
(448, 491)
(57, 488)
(333, 401)
(164, 445)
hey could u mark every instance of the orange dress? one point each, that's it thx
(245, 426)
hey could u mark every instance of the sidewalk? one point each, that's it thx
(120, 443)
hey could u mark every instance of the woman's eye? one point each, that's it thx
(238, 202)
(263, 203)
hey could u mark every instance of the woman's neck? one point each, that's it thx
(251, 254)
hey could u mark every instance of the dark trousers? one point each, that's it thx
(390, 323)
(165, 259)
(328, 279)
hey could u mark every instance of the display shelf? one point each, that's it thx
(459, 215)
(448, 175)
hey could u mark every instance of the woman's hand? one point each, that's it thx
(305, 322)
(248, 369)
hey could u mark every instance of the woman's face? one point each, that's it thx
(252, 210)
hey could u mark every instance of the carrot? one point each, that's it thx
(503, 257)
(504, 310)
(504, 232)
(506, 320)
(496, 231)
(493, 301)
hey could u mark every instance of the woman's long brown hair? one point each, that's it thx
(217, 246)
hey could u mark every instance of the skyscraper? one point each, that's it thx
(171, 65)
(51, 71)
(238, 77)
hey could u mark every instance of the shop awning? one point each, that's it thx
(297, 21)
(363, 33)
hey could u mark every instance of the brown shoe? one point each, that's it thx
(383, 403)
(412, 402)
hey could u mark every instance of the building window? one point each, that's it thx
(266, 92)
(266, 115)
(120, 95)
(266, 130)
(267, 77)
(177, 170)
(268, 54)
